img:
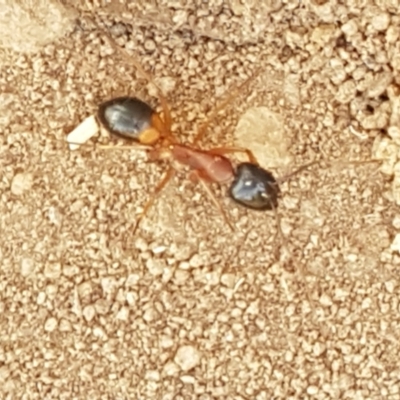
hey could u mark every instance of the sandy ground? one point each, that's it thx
(184, 308)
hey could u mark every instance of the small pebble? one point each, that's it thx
(50, 325)
(187, 357)
(21, 183)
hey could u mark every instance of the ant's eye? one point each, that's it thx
(125, 116)
(254, 187)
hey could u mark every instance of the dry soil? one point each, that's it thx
(183, 308)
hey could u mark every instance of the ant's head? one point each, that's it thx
(254, 187)
(131, 118)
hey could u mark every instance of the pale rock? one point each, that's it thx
(155, 266)
(187, 357)
(188, 379)
(386, 150)
(52, 270)
(171, 369)
(21, 183)
(83, 132)
(50, 325)
(41, 298)
(27, 266)
(380, 22)
(395, 116)
(350, 27)
(379, 84)
(322, 34)
(228, 280)
(394, 133)
(396, 183)
(123, 314)
(89, 313)
(395, 246)
(65, 326)
(152, 375)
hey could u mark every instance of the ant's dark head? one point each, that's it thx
(254, 187)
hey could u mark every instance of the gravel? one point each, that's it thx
(183, 308)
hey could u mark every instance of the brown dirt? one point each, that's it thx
(184, 308)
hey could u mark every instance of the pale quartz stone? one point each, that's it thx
(394, 133)
(346, 92)
(85, 289)
(52, 270)
(228, 280)
(350, 27)
(381, 21)
(187, 357)
(291, 89)
(379, 84)
(396, 183)
(155, 266)
(318, 348)
(170, 369)
(123, 314)
(188, 379)
(83, 132)
(395, 246)
(322, 34)
(50, 325)
(21, 183)
(88, 313)
(152, 375)
(395, 117)
(27, 266)
(325, 300)
(386, 150)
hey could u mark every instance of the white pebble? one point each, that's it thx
(312, 390)
(350, 27)
(170, 369)
(395, 246)
(188, 379)
(187, 357)
(381, 21)
(21, 183)
(27, 266)
(155, 266)
(83, 132)
(41, 298)
(152, 375)
(325, 300)
(123, 314)
(88, 313)
(228, 280)
(50, 325)
(196, 261)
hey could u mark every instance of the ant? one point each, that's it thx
(251, 186)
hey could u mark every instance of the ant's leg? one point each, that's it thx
(235, 93)
(230, 150)
(160, 186)
(196, 175)
(167, 123)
